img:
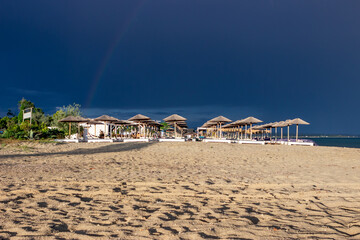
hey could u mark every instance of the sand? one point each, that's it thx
(178, 191)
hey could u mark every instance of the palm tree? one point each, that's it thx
(164, 126)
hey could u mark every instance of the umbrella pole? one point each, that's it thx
(275, 133)
(297, 131)
(220, 131)
(288, 133)
(95, 131)
(78, 131)
(69, 129)
(281, 133)
(251, 131)
(175, 129)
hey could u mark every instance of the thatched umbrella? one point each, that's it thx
(250, 121)
(175, 118)
(271, 125)
(106, 119)
(72, 119)
(288, 123)
(298, 121)
(139, 118)
(238, 126)
(280, 124)
(268, 125)
(122, 123)
(152, 125)
(220, 120)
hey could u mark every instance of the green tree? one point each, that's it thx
(3, 122)
(164, 126)
(63, 112)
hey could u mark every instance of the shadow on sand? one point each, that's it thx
(118, 147)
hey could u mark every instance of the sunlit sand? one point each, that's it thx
(188, 190)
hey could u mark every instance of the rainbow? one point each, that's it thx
(104, 62)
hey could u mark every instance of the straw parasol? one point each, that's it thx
(220, 120)
(139, 118)
(250, 121)
(280, 124)
(175, 118)
(106, 119)
(298, 121)
(72, 119)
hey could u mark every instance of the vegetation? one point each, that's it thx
(42, 126)
(165, 126)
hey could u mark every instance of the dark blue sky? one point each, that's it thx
(272, 59)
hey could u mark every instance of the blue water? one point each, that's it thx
(337, 142)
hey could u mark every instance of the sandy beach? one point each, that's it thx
(178, 191)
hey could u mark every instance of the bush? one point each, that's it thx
(49, 134)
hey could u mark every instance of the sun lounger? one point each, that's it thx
(301, 143)
(171, 140)
(218, 140)
(251, 142)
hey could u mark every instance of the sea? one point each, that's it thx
(351, 142)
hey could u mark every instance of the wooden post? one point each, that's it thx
(69, 129)
(250, 130)
(220, 131)
(288, 133)
(297, 131)
(175, 129)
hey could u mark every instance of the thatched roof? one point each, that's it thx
(208, 124)
(152, 123)
(174, 118)
(251, 120)
(220, 119)
(139, 117)
(283, 123)
(298, 121)
(106, 118)
(93, 122)
(182, 124)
